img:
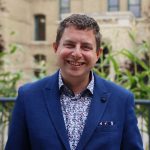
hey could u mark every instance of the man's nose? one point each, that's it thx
(77, 53)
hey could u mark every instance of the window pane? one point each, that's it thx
(40, 27)
(113, 2)
(64, 6)
(113, 5)
(113, 9)
(135, 7)
(38, 58)
(65, 3)
(133, 2)
(135, 10)
(1, 44)
(40, 65)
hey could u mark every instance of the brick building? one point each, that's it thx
(34, 23)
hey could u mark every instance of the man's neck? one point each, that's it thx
(77, 85)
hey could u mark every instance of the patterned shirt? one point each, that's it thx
(75, 108)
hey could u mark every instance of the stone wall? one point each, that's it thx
(18, 18)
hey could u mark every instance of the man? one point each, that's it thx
(74, 108)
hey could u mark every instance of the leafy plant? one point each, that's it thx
(8, 82)
(134, 75)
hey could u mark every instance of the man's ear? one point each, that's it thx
(55, 46)
(99, 52)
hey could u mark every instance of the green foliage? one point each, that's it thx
(8, 80)
(41, 70)
(135, 76)
(8, 83)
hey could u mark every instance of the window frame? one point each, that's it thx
(113, 6)
(134, 5)
(39, 28)
(61, 8)
(40, 61)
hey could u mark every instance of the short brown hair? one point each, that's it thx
(81, 22)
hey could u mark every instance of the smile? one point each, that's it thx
(77, 64)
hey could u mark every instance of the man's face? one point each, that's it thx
(76, 52)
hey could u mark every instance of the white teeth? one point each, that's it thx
(75, 63)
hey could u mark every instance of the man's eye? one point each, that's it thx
(87, 48)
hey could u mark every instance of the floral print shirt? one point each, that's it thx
(75, 108)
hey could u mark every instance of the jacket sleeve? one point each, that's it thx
(18, 138)
(131, 136)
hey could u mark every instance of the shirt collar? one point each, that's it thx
(90, 86)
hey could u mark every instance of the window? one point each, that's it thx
(40, 23)
(40, 58)
(1, 44)
(1, 50)
(64, 6)
(113, 5)
(40, 69)
(135, 7)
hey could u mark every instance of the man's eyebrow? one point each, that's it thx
(83, 43)
(69, 41)
(86, 43)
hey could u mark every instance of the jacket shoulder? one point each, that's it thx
(40, 84)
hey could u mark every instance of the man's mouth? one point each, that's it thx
(76, 64)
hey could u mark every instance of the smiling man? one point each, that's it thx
(74, 109)
(77, 54)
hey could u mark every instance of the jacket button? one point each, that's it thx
(103, 99)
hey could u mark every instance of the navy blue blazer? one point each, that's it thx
(38, 124)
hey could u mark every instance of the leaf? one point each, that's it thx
(132, 35)
(134, 58)
(13, 49)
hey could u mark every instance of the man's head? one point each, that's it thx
(77, 47)
(81, 22)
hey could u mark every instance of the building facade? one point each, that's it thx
(32, 24)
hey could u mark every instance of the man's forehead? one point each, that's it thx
(79, 28)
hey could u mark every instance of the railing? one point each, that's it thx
(143, 114)
(142, 109)
(6, 106)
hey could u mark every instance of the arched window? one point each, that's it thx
(135, 7)
(38, 58)
(40, 69)
(40, 27)
(113, 5)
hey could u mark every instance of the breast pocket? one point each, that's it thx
(107, 126)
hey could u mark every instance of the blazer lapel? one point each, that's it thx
(52, 99)
(98, 105)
